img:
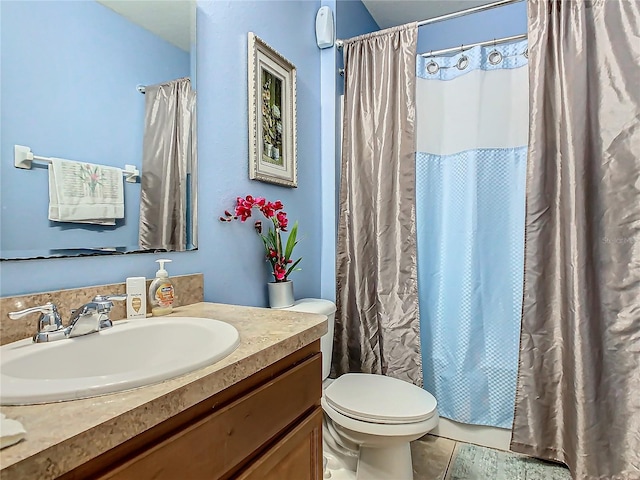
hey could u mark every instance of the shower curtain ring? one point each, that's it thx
(432, 67)
(495, 57)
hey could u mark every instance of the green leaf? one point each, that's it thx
(273, 241)
(291, 241)
(266, 244)
(292, 267)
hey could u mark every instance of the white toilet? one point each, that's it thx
(369, 419)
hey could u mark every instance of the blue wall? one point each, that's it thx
(69, 72)
(230, 254)
(354, 19)
(495, 23)
(232, 251)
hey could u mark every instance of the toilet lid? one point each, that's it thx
(313, 305)
(380, 399)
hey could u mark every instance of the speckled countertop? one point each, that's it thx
(63, 435)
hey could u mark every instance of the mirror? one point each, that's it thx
(71, 75)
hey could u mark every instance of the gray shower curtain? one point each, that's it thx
(377, 322)
(578, 392)
(169, 166)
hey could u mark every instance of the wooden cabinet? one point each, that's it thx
(268, 426)
(298, 456)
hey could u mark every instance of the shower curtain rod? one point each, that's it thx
(461, 13)
(461, 48)
(468, 11)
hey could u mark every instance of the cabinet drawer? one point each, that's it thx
(218, 444)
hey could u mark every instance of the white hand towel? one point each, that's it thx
(85, 193)
(11, 431)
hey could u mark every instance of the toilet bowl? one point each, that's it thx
(369, 419)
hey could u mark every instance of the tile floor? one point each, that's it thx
(433, 457)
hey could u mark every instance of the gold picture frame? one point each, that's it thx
(272, 115)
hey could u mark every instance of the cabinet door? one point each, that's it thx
(297, 456)
(222, 442)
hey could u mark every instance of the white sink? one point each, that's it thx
(132, 353)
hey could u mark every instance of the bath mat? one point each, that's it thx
(478, 463)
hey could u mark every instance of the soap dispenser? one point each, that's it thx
(161, 292)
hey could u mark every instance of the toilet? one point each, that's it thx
(369, 420)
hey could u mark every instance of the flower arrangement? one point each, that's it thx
(280, 259)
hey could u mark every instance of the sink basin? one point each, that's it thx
(132, 353)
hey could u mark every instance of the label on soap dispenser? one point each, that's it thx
(164, 295)
(136, 304)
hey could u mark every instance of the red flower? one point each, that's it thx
(283, 221)
(277, 205)
(272, 253)
(243, 207)
(279, 272)
(267, 210)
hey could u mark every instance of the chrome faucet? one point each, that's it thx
(48, 323)
(89, 318)
(93, 316)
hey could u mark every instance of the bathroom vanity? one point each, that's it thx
(253, 415)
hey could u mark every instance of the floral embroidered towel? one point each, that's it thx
(85, 193)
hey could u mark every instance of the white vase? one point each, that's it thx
(280, 294)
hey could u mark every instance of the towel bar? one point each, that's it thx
(23, 156)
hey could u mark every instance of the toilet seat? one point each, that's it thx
(383, 430)
(379, 399)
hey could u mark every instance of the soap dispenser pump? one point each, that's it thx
(161, 291)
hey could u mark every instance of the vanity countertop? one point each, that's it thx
(63, 435)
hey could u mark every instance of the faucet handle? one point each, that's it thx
(47, 309)
(104, 303)
(99, 304)
(49, 321)
(109, 298)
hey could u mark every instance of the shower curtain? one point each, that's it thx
(377, 321)
(578, 390)
(472, 126)
(169, 166)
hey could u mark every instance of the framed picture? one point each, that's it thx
(272, 115)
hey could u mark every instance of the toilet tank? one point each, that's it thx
(323, 307)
